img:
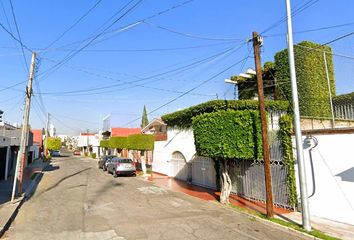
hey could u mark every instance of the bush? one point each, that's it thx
(85, 154)
(93, 155)
(104, 143)
(183, 119)
(228, 135)
(118, 142)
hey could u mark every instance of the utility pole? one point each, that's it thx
(46, 135)
(21, 156)
(306, 223)
(257, 41)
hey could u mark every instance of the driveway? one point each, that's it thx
(76, 200)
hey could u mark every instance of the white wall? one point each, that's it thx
(333, 161)
(177, 140)
(35, 150)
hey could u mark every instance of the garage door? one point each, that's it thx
(179, 167)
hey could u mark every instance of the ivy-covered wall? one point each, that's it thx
(183, 118)
(285, 123)
(104, 143)
(311, 78)
(118, 142)
(228, 135)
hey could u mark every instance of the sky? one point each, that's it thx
(94, 60)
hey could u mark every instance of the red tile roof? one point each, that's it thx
(124, 132)
(37, 136)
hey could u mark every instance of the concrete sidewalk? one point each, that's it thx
(8, 209)
(332, 228)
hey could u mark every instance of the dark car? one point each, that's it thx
(102, 163)
(121, 166)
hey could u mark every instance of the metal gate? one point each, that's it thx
(179, 167)
(203, 172)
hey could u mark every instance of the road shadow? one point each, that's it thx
(50, 167)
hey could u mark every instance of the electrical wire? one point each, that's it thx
(190, 35)
(74, 53)
(144, 78)
(18, 34)
(74, 24)
(190, 90)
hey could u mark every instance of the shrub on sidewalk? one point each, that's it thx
(93, 155)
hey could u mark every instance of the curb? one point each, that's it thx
(21, 200)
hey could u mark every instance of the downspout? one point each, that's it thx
(315, 142)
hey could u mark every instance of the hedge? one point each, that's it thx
(53, 143)
(228, 135)
(118, 142)
(141, 142)
(132, 142)
(104, 143)
(183, 118)
(311, 78)
(285, 123)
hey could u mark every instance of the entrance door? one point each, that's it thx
(179, 168)
(2, 162)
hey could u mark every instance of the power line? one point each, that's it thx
(72, 54)
(313, 29)
(191, 35)
(16, 39)
(131, 25)
(338, 38)
(19, 35)
(74, 24)
(12, 86)
(145, 78)
(192, 89)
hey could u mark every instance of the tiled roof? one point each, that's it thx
(124, 132)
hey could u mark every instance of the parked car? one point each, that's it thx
(55, 153)
(121, 166)
(102, 163)
(77, 152)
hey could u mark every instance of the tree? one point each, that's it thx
(144, 119)
(53, 144)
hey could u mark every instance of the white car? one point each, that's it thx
(55, 153)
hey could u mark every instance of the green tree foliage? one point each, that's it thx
(311, 78)
(144, 119)
(183, 118)
(53, 143)
(228, 135)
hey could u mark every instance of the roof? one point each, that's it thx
(153, 122)
(124, 132)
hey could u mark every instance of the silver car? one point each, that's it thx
(121, 166)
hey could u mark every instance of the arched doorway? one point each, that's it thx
(179, 166)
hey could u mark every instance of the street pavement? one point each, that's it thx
(76, 200)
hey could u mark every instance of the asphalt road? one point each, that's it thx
(76, 200)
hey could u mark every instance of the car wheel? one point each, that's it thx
(115, 173)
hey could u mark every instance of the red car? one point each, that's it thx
(77, 152)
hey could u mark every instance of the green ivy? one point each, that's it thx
(285, 123)
(183, 118)
(228, 135)
(311, 78)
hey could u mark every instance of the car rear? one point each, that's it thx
(125, 166)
